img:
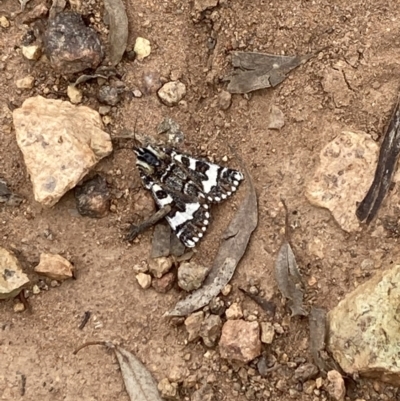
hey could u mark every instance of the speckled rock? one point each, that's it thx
(60, 143)
(191, 275)
(210, 330)
(364, 328)
(336, 387)
(12, 278)
(159, 266)
(172, 93)
(240, 341)
(142, 48)
(343, 177)
(55, 267)
(193, 325)
(168, 390)
(165, 283)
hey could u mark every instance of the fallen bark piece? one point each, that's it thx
(363, 334)
(253, 71)
(343, 177)
(70, 45)
(385, 169)
(55, 267)
(240, 341)
(12, 278)
(60, 143)
(234, 245)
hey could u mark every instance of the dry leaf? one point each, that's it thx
(318, 336)
(268, 306)
(288, 276)
(255, 71)
(118, 23)
(139, 383)
(231, 251)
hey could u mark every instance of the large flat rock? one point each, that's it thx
(60, 143)
(343, 177)
(364, 329)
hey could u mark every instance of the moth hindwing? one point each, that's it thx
(188, 184)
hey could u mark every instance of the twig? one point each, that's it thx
(85, 319)
(105, 343)
(155, 218)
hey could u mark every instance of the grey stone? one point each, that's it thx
(306, 372)
(161, 241)
(191, 275)
(364, 329)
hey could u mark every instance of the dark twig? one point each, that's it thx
(388, 155)
(85, 319)
(155, 218)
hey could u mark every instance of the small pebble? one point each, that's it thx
(4, 22)
(35, 289)
(142, 48)
(104, 110)
(109, 95)
(171, 93)
(32, 52)
(224, 100)
(26, 82)
(144, 280)
(54, 283)
(19, 307)
(226, 290)
(74, 94)
(137, 93)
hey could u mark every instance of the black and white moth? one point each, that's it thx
(188, 185)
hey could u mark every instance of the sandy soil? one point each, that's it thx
(351, 84)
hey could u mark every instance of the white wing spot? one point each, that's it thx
(195, 239)
(189, 243)
(233, 188)
(204, 228)
(223, 196)
(236, 183)
(207, 215)
(200, 235)
(205, 222)
(183, 217)
(217, 198)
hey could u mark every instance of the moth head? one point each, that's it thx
(147, 159)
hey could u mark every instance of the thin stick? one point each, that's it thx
(155, 218)
(105, 343)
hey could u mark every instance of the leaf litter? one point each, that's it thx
(253, 70)
(118, 23)
(139, 383)
(235, 241)
(287, 273)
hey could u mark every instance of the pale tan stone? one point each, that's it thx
(60, 143)
(55, 267)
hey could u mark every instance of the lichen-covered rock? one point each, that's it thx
(191, 275)
(70, 45)
(364, 329)
(240, 341)
(12, 278)
(343, 177)
(60, 143)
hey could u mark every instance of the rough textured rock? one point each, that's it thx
(364, 329)
(70, 45)
(202, 5)
(25, 83)
(240, 341)
(55, 267)
(210, 330)
(144, 280)
(306, 372)
(193, 325)
(224, 100)
(336, 387)
(172, 92)
(191, 275)
(333, 82)
(142, 48)
(60, 143)
(109, 95)
(343, 177)
(93, 198)
(74, 94)
(12, 278)
(159, 266)
(31, 52)
(267, 332)
(165, 283)
(276, 118)
(234, 312)
(204, 393)
(168, 390)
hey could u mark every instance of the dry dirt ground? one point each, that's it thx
(360, 58)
